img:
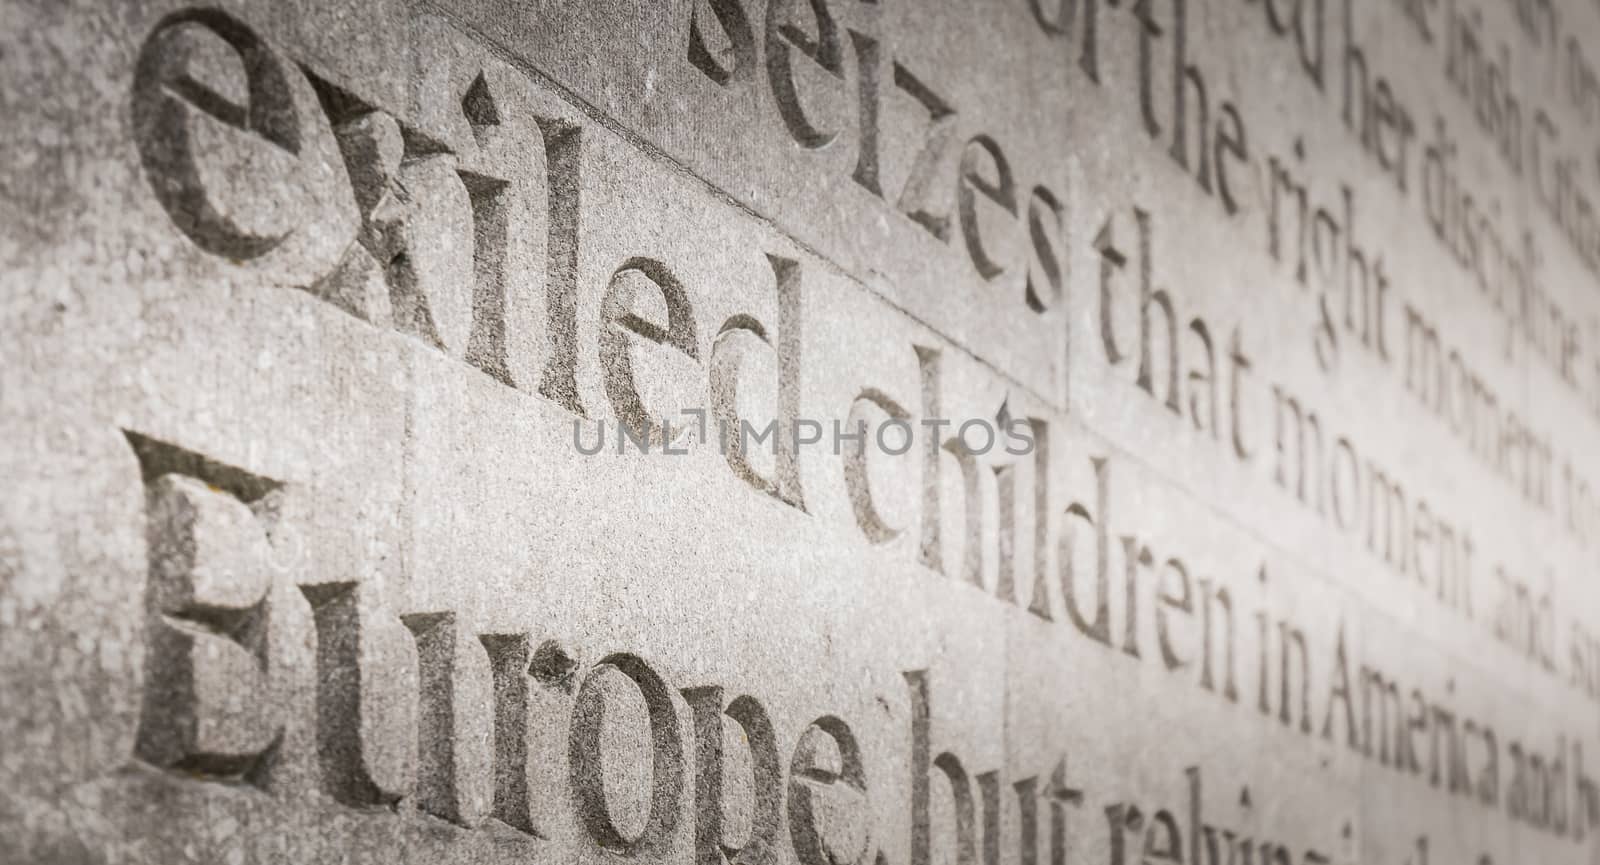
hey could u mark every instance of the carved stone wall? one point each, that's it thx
(800, 432)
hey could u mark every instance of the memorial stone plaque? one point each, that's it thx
(800, 432)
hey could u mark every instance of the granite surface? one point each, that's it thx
(765, 432)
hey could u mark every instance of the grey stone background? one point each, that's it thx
(308, 307)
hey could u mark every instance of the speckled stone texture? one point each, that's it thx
(800, 432)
